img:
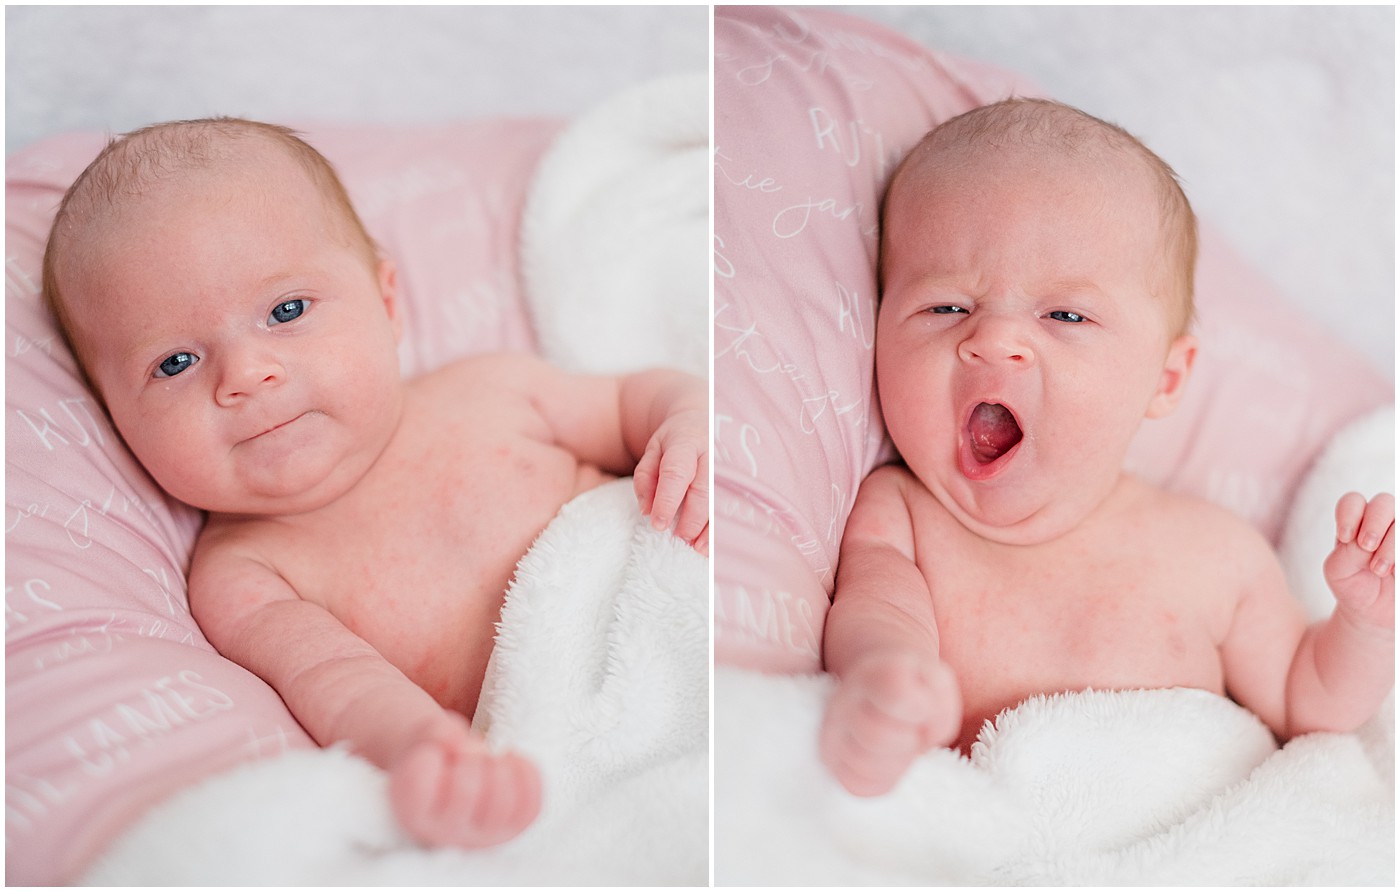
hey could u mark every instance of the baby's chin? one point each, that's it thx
(249, 504)
(288, 495)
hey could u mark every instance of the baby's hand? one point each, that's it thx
(449, 789)
(886, 711)
(1361, 568)
(672, 479)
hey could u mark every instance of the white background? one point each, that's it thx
(1279, 119)
(118, 68)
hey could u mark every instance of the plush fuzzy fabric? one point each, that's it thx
(600, 674)
(601, 666)
(622, 256)
(1134, 787)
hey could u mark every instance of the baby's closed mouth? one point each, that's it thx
(992, 432)
(278, 427)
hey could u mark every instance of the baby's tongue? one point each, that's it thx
(993, 430)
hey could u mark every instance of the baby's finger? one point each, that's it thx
(694, 514)
(673, 478)
(702, 541)
(1350, 509)
(644, 477)
(877, 736)
(1380, 514)
(695, 509)
(1384, 559)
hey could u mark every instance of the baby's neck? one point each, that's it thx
(1049, 528)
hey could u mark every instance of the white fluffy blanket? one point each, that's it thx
(601, 668)
(1096, 788)
(617, 262)
(600, 673)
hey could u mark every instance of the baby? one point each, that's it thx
(229, 309)
(1036, 273)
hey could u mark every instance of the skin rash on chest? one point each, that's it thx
(417, 558)
(1024, 620)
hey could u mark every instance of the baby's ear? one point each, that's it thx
(389, 291)
(1181, 356)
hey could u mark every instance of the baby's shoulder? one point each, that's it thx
(232, 556)
(893, 506)
(489, 369)
(881, 505)
(889, 476)
(495, 385)
(890, 487)
(1202, 526)
(230, 542)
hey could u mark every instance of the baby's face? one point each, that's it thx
(1019, 345)
(246, 352)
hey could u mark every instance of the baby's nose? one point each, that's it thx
(245, 374)
(997, 339)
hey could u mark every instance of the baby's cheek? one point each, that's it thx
(182, 465)
(909, 394)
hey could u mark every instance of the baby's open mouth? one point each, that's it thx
(992, 430)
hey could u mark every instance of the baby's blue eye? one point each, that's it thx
(1066, 316)
(948, 309)
(174, 364)
(287, 311)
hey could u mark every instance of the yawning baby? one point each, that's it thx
(1036, 271)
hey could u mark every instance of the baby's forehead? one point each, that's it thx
(1028, 174)
(1098, 162)
(147, 177)
(168, 159)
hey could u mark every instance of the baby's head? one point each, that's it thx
(227, 306)
(1041, 130)
(1036, 294)
(168, 155)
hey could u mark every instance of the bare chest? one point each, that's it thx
(1070, 617)
(416, 560)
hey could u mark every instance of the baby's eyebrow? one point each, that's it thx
(276, 279)
(971, 284)
(142, 352)
(1072, 286)
(949, 281)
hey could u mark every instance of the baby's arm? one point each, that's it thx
(894, 697)
(1345, 666)
(654, 425)
(446, 787)
(1334, 674)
